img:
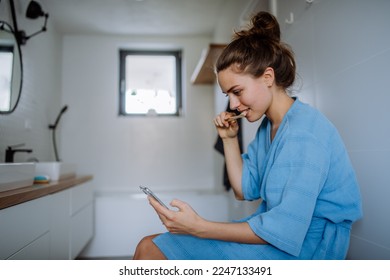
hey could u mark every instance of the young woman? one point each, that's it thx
(297, 164)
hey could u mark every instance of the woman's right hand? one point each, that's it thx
(226, 128)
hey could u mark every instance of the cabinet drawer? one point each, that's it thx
(59, 225)
(37, 250)
(21, 224)
(80, 196)
(81, 230)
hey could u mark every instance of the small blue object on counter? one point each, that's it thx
(41, 179)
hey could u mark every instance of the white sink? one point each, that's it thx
(56, 171)
(16, 175)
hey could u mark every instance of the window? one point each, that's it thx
(150, 82)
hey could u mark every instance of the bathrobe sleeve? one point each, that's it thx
(290, 179)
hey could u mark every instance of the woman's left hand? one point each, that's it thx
(183, 221)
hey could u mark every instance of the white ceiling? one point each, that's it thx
(139, 17)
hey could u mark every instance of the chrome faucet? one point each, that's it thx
(9, 153)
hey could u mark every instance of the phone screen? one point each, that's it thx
(147, 191)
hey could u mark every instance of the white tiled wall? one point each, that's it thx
(40, 100)
(343, 55)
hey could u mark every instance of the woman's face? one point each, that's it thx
(247, 94)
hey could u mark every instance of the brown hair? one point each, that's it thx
(259, 47)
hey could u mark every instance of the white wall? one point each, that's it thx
(123, 152)
(343, 55)
(40, 100)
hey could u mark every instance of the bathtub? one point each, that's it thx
(123, 218)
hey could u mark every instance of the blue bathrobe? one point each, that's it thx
(309, 193)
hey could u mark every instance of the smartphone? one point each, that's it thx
(147, 191)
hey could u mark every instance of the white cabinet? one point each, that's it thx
(81, 218)
(60, 225)
(36, 250)
(71, 221)
(80, 197)
(81, 230)
(22, 225)
(56, 226)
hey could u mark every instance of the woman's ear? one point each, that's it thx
(269, 76)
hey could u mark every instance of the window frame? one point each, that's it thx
(123, 53)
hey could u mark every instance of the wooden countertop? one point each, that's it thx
(14, 197)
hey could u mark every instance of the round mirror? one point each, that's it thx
(11, 70)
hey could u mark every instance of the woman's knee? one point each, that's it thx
(146, 249)
(145, 243)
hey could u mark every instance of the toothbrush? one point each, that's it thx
(236, 117)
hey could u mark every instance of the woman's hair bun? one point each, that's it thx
(254, 49)
(264, 25)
